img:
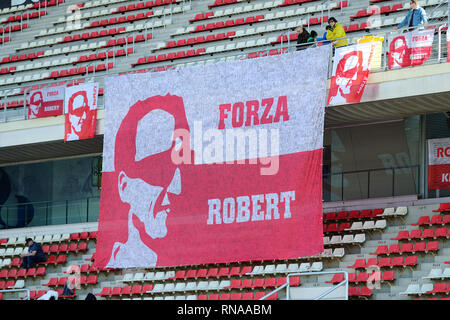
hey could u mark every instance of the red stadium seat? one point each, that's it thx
(432, 246)
(410, 261)
(236, 296)
(406, 247)
(402, 235)
(359, 263)
(424, 220)
(440, 288)
(443, 207)
(397, 261)
(212, 272)
(381, 250)
(394, 248)
(248, 296)
(437, 219)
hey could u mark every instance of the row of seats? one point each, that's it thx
(438, 274)
(360, 292)
(270, 282)
(92, 35)
(228, 23)
(104, 55)
(80, 70)
(25, 16)
(17, 27)
(169, 57)
(355, 226)
(352, 215)
(196, 40)
(49, 238)
(361, 277)
(238, 296)
(22, 273)
(422, 234)
(433, 220)
(426, 288)
(83, 280)
(264, 53)
(375, 10)
(408, 261)
(358, 239)
(12, 284)
(409, 247)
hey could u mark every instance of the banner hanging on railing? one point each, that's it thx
(439, 164)
(80, 111)
(351, 70)
(214, 164)
(409, 48)
(46, 102)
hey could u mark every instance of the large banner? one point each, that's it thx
(351, 70)
(80, 111)
(46, 102)
(439, 164)
(409, 48)
(214, 164)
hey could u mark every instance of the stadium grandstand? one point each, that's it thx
(384, 216)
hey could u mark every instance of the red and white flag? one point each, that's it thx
(201, 168)
(46, 102)
(351, 70)
(80, 111)
(439, 164)
(409, 48)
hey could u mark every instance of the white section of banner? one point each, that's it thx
(300, 77)
(439, 151)
(87, 99)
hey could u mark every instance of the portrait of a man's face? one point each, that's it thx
(147, 178)
(400, 53)
(79, 112)
(35, 104)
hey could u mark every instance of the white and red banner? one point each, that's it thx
(46, 102)
(214, 164)
(409, 48)
(439, 164)
(81, 111)
(351, 70)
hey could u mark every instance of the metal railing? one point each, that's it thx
(44, 213)
(27, 297)
(385, 185)
(320, 296)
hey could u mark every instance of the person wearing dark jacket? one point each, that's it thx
(35, 254)
(303, 37)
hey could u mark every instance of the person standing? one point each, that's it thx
(415, 17)
(336, 34)
(303, 37)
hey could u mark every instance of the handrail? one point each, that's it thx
(17, 290)
(323, 294)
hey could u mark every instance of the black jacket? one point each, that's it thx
(303, 38)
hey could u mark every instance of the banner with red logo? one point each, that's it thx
(46, 102)
(409, 48)
(214, 164)
(439, 164)
(80, 111)
(351, 70)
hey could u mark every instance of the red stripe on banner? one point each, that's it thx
(439, 176)
(198, 235)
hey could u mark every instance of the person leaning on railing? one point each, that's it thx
(336, 34)
(415, 17)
